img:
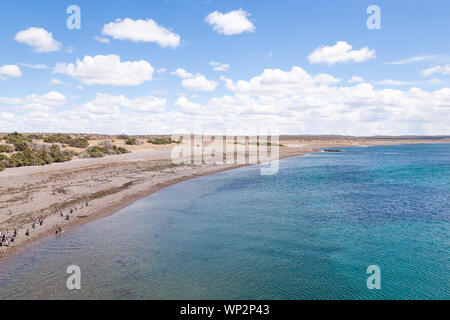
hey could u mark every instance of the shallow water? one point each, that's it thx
(308, 232)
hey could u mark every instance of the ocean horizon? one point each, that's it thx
(308, 232)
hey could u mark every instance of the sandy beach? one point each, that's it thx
(87, 189)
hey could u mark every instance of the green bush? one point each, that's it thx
(21, 146)
(35, 136)
(4, 161)
(37, 157)
(81, 143)
(119, 150)
(15, 137)
(19, 141)
(22, 159)
(160, 141)
(101, 151)
(131, 141)
(5, 148)
(97, 151)
(60, 156)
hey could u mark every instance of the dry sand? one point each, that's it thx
(111, 183)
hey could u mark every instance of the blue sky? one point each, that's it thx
(283, 35)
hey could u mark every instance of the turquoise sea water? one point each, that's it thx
(308, 232)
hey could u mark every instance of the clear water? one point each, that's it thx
(309, 232)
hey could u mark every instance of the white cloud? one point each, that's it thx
(6, 116)
(141, 31)
(180, 72)
(195, 82)
(279, 82)
(217, 66)
(434, 81)
(415, 59)
(161, 70)
(106, 103)
(292, 101)
(390, 82)
(184, 105)
(37, 102)
(107, 70)
(10, 70)
(199, 83)
(34, 66)
(437, 69)
(355, 79)
(101, 39)
(341, 52)
(231, 23)
(39, 39)
(55, 82)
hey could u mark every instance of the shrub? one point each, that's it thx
(81, 143)
(21, 146)
(119, 150)
(19, 141)
(60, 156)
(5, 148)
(4, 162)
(15, 137)
(160, 141)
(131, 141)
(22, 159)
(35, 136)
(37, 156)
(101, 151)
(95, 152)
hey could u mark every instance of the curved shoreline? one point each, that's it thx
(110, 209)
(111, 203)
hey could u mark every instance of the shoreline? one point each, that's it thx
(136, 192)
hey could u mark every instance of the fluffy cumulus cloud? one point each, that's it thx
(106, 104)
(39, 39)
(292, 101)
(297, 102)
(107, 70)
(231, 23)
(141, 31)
(437, 69)
(199, 83)
(195, 82)
(35, 102)
(10, 71)
(278, 82)
(182, 73)
(341, 52)
(184, 105)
